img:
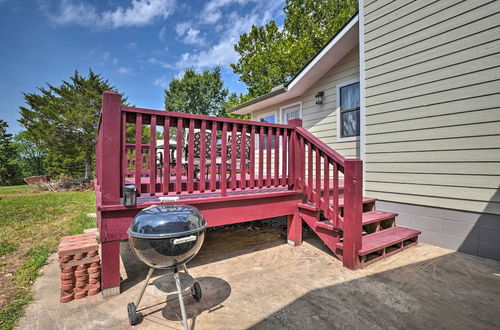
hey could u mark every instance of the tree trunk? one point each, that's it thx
(88, 168)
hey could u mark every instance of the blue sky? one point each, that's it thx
(139, 45)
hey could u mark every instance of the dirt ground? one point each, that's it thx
(253, 280)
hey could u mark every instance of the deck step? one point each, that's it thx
(366, 200)
(376, 216)
(312, 207)
(368, 218)
(325, 224)
(383, 239)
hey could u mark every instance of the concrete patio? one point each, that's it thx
(252, 279)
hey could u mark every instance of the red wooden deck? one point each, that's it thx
(233, 171)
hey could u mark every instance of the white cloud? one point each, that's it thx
(211, 13)
(154, 60)
(223, 35)
(219, 54)
(222, 52)
(160, 82)
(162, 32)
(125, 70)
(193, 38)
(181, 28)
(138, 13)
(132, 45)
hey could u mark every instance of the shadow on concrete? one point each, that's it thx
(218, 245)
(483, 238)
(438, 293)
(215, 292)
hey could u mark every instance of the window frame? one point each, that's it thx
(276, 121)
(267, 114)
(285, 107)
(339, 111)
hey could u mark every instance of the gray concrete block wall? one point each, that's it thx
(473, 233)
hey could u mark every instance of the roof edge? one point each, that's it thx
(275, 91)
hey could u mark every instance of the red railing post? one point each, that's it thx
(296, 155)
(110, 175)
(353, 211)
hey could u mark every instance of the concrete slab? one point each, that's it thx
(253, 279)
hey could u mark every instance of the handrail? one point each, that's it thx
(201, 117)
(338, 158)
(314, 181)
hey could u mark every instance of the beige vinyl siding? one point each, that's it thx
(432, 131)
(321, 120)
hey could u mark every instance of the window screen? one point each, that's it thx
(349, 110)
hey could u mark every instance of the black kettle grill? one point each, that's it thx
(167, 237)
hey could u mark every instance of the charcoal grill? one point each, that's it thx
(167, 237)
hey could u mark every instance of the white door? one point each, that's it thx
(290, 112)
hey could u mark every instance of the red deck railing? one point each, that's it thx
(188, 154)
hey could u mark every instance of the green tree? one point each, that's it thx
(270, 56)
(232, 101)
(31, 156)
(200, 93)
(64, 120)
(9, 171)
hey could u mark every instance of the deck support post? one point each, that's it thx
(110, 166)
(110, 268)
(296, 155)
(353, 212)
(294, 230)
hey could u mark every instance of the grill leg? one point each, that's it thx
(138, 301)
(181, 300)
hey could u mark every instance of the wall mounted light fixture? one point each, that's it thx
(319, 97)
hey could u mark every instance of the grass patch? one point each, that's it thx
(36, 258)
(7, 247)
(31, 224)
(15, 309)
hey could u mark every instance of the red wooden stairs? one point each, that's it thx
(336, 211)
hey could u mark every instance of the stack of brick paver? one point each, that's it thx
(80, 266)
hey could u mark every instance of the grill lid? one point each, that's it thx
(166, 221)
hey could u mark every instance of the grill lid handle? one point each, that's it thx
(184, 239)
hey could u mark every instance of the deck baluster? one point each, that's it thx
(166, 155)
(213, 158)
(138, 152)
(152, 156)
(277, 157)
(326, 186)
(335, 194)
(223, 184)
(202, 155)
(261, 157)
(234, 174)
(190, 148)
(284, 158)
(243, 158)
(268, 156)
(178, 160)
(125, 164)
(318, 178)
(252, 157)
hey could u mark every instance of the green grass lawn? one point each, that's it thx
(31, 224)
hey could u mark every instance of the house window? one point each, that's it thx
(271, 119)
(290, 112)
(349, 110)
